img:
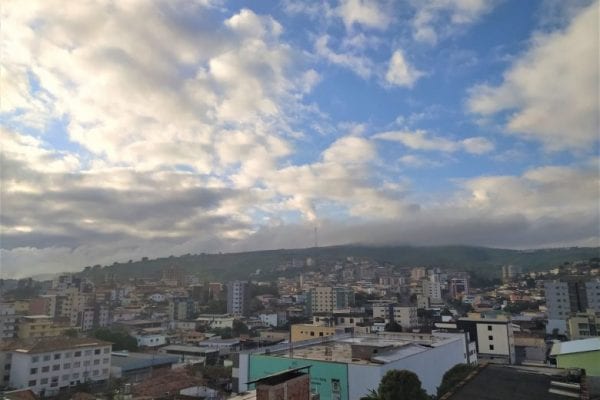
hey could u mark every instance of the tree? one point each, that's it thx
(452, 377)
(120, 339)
(398, 385)
(393, 326)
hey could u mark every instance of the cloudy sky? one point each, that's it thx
(150, 128)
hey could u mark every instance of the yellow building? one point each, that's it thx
(584, 325)
(37, 326)
(308, 331)
(21, 307)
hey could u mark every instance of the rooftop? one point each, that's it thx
(500, 382)
(131, 361)
(576, 346)
(385, 348)
(44, 345)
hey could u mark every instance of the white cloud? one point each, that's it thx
(399, 71)
(367, 13)
(552, 89)
(360, 65)
(421, 140)
(435, 18)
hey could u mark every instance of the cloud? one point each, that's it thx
(551, 91)
(369, 14)
(400, 73)
(421, 140)
(435, 18)
(360, 65)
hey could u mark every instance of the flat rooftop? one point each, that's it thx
(389, 348)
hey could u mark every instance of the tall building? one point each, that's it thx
(567, 296)
(237, 298)
(510, 272)
(326, 299)
(7, 320)
(459, 287)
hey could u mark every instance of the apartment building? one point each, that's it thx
(7, 320)
(493, 334)
(49, 364)
(584, 325)
(405, 316)
(573, 294)
(40, 326)
(326, 299)
(237, 298)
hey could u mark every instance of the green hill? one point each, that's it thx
(223, 267)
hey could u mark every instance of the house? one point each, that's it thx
(583, 353)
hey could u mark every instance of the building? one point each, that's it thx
(136, 367)
(47, 365)
(493, 334)
(583, 325)
(150, 340)
(192, 354)
(583, 353)
(501, 382)
(346, 367)
(43, 305)
(573, 294)
(274, 319)
(291, 384)
(212, 321)
(181, 308)
(237, 298)
(510, 272)
(327, 299)
(416, 274)
(7, 320)
(459, 287)
(300, 332)
(405, 316)
(39, 326)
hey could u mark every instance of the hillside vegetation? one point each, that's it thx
(484, 261)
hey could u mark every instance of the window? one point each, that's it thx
(68, 354)
(44, 381)
(33, 371)
(65, 377)
(78, 354)
(57, 356)
(106, 350)
(312, 333)
(490, 338)
(46, 368)
(55, 367)
(105, 371)
(491, 347)
(97, 351)
(88, 352)
(106, 361)
(32, 383)
(35, 359)
(86, 363)
(489, 327)
(67, 366)
(96, 362)
(96, 372)
(47, 357)
(320, 333)
(76, 375)
(76, 364)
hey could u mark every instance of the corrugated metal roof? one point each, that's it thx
(576, 346)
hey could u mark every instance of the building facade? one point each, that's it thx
(237, 298)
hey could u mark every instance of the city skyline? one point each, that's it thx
(145, 129)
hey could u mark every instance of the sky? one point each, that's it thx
(133, 129)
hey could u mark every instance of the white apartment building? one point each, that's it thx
(7, 320)
(47, 365)
(432, 288)
(493, 333)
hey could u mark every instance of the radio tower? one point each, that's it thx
(316, 238)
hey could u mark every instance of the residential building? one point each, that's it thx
(136, 367)
(493, 334)
(151, 340)
(584, 325)
(39, 326)
(274, 319)
(326, 299)
(285, 385)
(49, 364)
(43, 305)
(459, 287)
(301, 332)
(181, 308)
(237, 298)
(7, 320)
(212, 321)
(405, 316)
(583, 353)
(347, 367)
(573, 294)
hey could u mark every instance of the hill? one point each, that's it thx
(228, 266)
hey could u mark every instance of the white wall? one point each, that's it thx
(429, 366)
(500, 339)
